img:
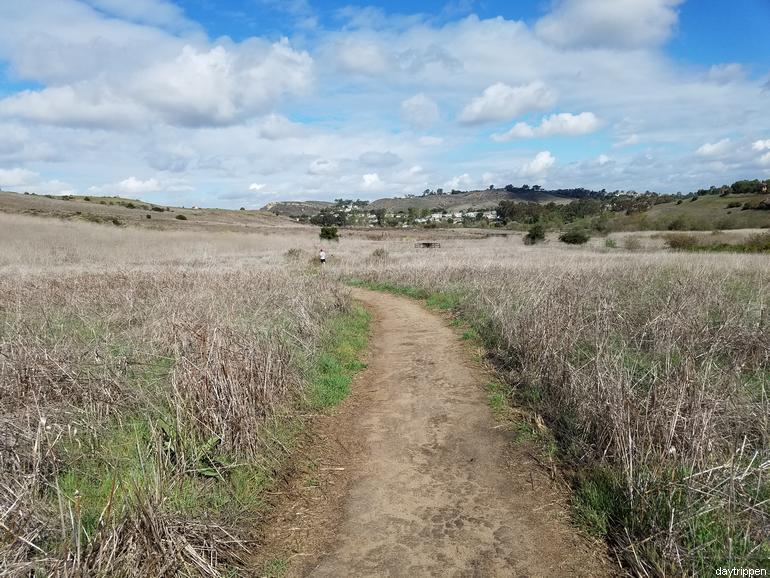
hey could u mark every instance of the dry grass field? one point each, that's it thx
(146, 377)
(652, 370)
(148, 382)
(120, 212)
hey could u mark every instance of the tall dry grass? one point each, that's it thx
(653, 369)
(140, 377)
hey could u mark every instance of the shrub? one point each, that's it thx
(759, 243)
(242, 209)
(610, 243)
(632, 243)
(681, 242)
(574, 237)
(129, 205)
(380, 253)
(116, 221)
(536, 233)
(87, 199)
(158, 209)
(733, 204)
(678, 224)
(293, 254)
(148, 215)
(181, 218)
(329, 234)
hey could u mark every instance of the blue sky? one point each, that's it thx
(241, 102)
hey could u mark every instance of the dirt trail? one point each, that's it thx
(431, 486)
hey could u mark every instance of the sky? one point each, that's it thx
(238, 103)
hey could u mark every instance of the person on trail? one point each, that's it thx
(322, 255)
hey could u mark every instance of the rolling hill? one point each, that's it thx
(121, 211)
(708, 212)
(482, 199)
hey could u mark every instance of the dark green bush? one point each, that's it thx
(181, 218)
(536, 233)
(574, 237)
(681, 242)
(329, 234)
(678, 224)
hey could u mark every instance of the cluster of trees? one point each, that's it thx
(531, 213)
(358, 203)
(745, 187)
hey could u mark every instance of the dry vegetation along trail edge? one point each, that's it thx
(413, 478)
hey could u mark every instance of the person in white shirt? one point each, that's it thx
(322, 256)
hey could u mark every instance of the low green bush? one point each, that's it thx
(329, 234)
(574, 237)
(536, 233)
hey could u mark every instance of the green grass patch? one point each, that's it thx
(403, 290)
(470, 334)
(443, 300)
(339, 361)
(110, 465)
(275, 568)
(498, 395)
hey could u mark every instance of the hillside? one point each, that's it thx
(706, 212)
(120, 211)
(297, 208)
(486, 199)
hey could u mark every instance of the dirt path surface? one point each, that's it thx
(431, 485)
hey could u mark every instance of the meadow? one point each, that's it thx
(651, 370)
(152, 386)
(152, 383)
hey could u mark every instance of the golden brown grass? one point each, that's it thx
(141, 374)
(653, 370)
(141, 370)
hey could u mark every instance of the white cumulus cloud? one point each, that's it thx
(609, 23)
(419, 111)
(539, 165)
(714, 149)
(761, 145)
(565, 124)
(256, 186)
(135, 186)
(500, 102)
(372, 182)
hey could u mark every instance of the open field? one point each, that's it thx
(652, 370)
(150, 386)
(151, 382)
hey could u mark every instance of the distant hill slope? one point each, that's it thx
(121, 211)
(296, 208)
(486, 199)
(707, 212)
